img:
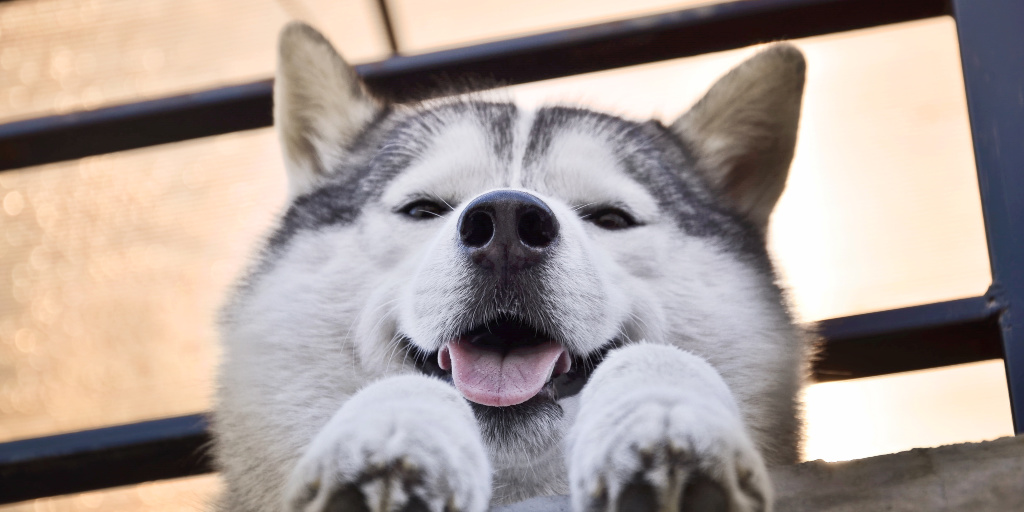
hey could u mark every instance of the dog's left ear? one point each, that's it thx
(743, 131)
(320, 106)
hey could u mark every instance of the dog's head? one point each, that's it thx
(507, 250)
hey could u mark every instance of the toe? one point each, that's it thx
(638, 496)
(702, 494)
(346, 498)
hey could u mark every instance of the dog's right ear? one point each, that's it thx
(743, 132)
(320, 106)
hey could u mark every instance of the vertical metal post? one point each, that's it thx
(389, 26)
(991, 36)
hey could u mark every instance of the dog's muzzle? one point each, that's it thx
(508, 237)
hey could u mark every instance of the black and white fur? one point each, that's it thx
(323, 400)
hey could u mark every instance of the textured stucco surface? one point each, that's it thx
(975, 477)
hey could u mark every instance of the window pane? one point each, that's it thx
(866, 417)
(424, 25)
(59, 56)
(181, 495)
(114, 267)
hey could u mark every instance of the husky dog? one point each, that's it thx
(467, 303)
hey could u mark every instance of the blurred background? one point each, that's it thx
(112, 267)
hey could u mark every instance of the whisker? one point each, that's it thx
(642, 324)
(395, 345)
(439, 198)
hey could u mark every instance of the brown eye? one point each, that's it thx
(424, 209)
(611, 219)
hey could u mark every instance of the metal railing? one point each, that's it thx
(928, 336)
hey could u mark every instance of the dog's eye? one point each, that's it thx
(424, 209)
(611, 218)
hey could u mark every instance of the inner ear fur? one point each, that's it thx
(743, 131)
(320, 105)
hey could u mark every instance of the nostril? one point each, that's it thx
(476, 229)
(537, 228)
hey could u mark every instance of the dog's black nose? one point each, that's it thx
(507, 230)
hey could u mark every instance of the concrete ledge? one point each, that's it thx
(971, 477)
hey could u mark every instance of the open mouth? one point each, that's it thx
(506, 362)
(502, 364)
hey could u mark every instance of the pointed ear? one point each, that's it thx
(743, 131)
(320, 106)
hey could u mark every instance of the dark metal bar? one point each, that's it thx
(685, 33)
(137, 125)
(101, 458)
(914, 338)
(905, 339)
(552, 55)
(992, 53)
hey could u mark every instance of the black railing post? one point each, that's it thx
(992, 52)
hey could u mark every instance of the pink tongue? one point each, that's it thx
(492, 378)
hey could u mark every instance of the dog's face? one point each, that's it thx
(506, 250)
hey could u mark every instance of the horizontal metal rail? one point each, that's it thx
(907, 339)
(403, 78)
(914, 338)
(101, 458)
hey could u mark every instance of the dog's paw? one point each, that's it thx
(661, 455)
(663, 447)
(406, 444)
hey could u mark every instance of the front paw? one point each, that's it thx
(403, 444)
(663, 455)
(663, 447)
